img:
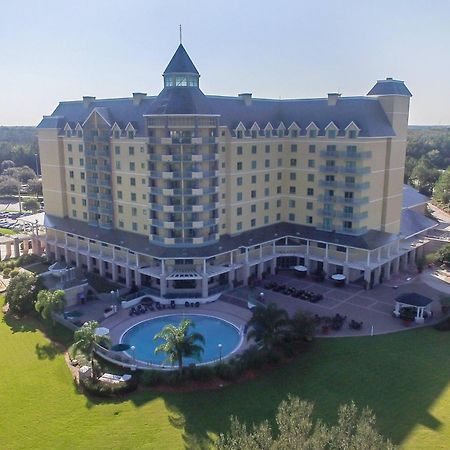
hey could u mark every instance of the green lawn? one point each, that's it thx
(7, 232)
(403, 377)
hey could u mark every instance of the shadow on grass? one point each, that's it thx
(397, 376)
(48, 351)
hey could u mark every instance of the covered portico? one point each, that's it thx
(421, 303)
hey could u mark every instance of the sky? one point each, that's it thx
(58, 50)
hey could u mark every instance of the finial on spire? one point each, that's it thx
(181, 36)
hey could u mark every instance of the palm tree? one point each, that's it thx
(302, 325)
(268, 324)
(179, 343)
(86, 339)
(48, 303)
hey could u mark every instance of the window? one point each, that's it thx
(134, 226)
(80, 147)
(311, 163)
(331, 134)
(292, 176)
(117, 150)
(278, 217)
(82, 175)
(71, 174)
(83, 202)
(239, 196)
(352, 134)
(279, 175)
(278, 203)
(118, 165)
(73, 200)
(294, 133)
(72, 188)
(254, 149)
(351, 150)
(254, 134)
(291, 217)
(83, 189)
(121, 224)
(120, 209)
(70, 161)
(309, 219)
(116, 134)
(239, 150)
(81, 162)
(253, 208)
(267, 163)
(131, 151)
(119, 195)
(74, 213)
(266, 177)
(348, 195)
(69, 147)
(254, 164)
(119, 180)
(132, 166)
(133, 197)
(310, 177)
(278, 189)
(239, 134)
(309, 205)
(130, 134)
(134, 212)
(253, 223)
(239, 211)
(266, 192)
(280, 148)
(313, 133)
(279, 162)
(312, 149)
(347, 225)
(253, 179)
(266, 205)
(293, 162)
(239, 181)
(85, 215)
(239, 226)
(132, 181)
(291, 203)
(266, 219)
(294, 148)
(327, 223)
(239, 165)
(341, 249)
(267, 148)
(253, 194)
(292, 190)
(349, 180)
(310, 191)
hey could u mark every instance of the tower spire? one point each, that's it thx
(181, 36)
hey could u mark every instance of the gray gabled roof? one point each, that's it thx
(414, 299)
(181, 63)
(411, 197)
(390, 86)
(413, 223)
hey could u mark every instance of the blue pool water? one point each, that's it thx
(214, 330)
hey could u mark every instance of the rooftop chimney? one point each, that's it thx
(333, 98)
(137, 97)
(87, 100)
(247, 97)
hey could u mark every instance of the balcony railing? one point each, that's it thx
(352, 216)
(327, 198)
(353, 200)
(355, 170)
(329, 154)
(326, 213)
(356, 155)
(343, 185)
(329, 169)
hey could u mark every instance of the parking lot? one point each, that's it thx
(10, 221)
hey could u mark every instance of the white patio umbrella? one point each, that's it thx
(102, 331)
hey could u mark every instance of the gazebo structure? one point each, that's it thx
(421, 303)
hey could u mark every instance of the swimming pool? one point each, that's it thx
(221, 337)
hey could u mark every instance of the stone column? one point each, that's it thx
(387, 271)
(231, 277)
(101, 266)
(25, 247)
(325, 266)
(404, 262)
(163, 286)
(273, 265)
(346, 272)
(114, 272)
(376, 276)
(260, 270)
(35, 246)
(89, 262)
(8, 250)
(367, 276)
(246, 269)
(16, 247)
(138, 277)
(128, 280)
(204, 286)
(396, 265)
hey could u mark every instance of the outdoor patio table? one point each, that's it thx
(301, 271)
(339, 279)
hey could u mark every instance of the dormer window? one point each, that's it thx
(313, 133)
(331, 134)
(116, 134)
(239, 134)
(268, 133)
(294, 133)
(352, 134)
(130, 134)
(68, 133)
(254, 134)
(168, 81)
(280, 133)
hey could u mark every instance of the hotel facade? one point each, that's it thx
(186, 194)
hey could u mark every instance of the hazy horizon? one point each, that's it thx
(55, 51)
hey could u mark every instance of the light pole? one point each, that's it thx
(220, 353)
(133, 350)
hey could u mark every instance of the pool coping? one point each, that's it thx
(169, 367)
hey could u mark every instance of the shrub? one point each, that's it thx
(96, 387)
(14, 273)
(6, 272)
(431, 258)
(443, 325)
(274, 356)
(226, 371)
(21, 293)
(201, 373)
(31, 205)
(151, 377)
(253, 358)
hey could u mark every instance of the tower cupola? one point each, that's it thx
(181, 71)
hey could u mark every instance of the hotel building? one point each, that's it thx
(188, 194)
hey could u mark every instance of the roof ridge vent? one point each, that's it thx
(138, 96)
(88, 100)
(333, 98)
(247, 97)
